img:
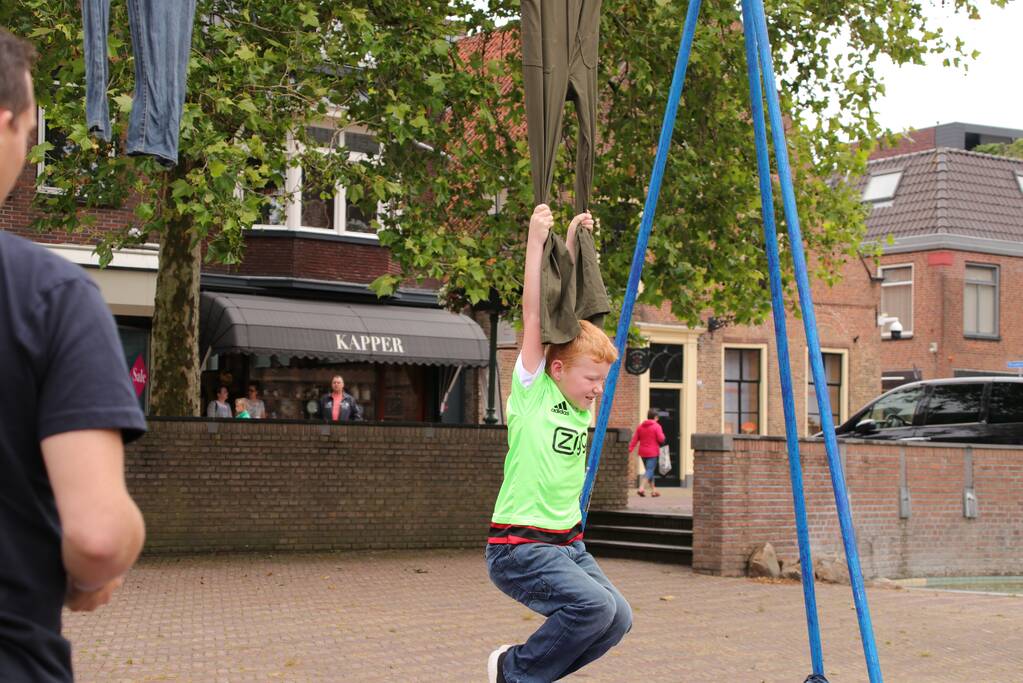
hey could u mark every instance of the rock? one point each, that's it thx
(764, 562)
(790, 569)
(831, 569)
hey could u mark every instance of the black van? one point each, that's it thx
(963, 410)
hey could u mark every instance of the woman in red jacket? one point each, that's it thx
(649, 436)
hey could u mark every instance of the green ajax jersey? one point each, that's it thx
(546, 462)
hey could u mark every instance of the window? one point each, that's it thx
(61, 148)
(954, 404)
(100, 188)
(1006, 403)
(666, 362)
(980, 301)
(896, 409)
(897, 298)
(1019, 181)
(881, 188)
(833, 374)
(308, 202)
(742, 391)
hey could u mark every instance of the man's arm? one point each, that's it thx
(539, 227)
(356, 410)
(102, 527)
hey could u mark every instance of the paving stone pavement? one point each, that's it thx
(434, 616)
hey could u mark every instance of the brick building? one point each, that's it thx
(307, 267)
(950, 223)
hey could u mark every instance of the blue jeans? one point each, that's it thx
(650, 465)
(586, 615)
(161, 36)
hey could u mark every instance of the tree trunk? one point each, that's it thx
(175, 390)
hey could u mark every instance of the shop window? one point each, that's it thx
(742, 413)
(135, 342)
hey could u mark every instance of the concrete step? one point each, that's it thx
(651, 520)
(640, 534)
(650, 552)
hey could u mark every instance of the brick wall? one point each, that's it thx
(17, 215)
(208, 486)
(742, 498)
(938, 316)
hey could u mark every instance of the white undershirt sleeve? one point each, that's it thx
(525, 377)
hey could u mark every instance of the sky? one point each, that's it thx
(989, 94)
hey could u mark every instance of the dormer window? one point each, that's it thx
(880, 189)
(1019, 180)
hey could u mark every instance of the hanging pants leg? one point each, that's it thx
(161, 36)
(559, 63)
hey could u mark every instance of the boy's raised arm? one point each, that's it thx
(539, 227)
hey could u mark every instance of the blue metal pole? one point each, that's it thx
(781, 336)
(816, 363)
(639, 255)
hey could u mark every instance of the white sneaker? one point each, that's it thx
(493, 674)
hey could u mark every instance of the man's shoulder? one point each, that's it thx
(35, 266)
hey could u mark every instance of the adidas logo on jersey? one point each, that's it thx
(561, 408)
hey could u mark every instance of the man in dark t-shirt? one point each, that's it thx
(69, 531)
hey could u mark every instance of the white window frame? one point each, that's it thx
(876, 198)
(1019, 180)
(843, 398)
(762, 408)
(907, 332)
(293, 196)
(998, 292)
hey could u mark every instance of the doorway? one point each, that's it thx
(666, 402)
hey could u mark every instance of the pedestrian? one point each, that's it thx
(69, 530)
(535, 553)
(253, 404)
(219, 407)
(241, 409)
(649, 436)
(339, 405)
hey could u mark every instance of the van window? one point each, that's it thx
(954, 404)
(1006, 404)
(896, 409)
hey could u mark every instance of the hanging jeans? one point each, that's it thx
(586, 614)
(161, 36)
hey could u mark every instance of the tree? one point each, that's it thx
(706, 250)
(1002, 149)
(260, 73)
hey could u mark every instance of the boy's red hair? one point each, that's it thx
(591, 342)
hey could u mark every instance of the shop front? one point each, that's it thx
(400, 363)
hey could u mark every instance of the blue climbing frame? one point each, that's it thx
(760, 69)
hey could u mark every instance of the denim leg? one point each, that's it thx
(622, 622)
(161, 35)
(96, 25)
(579, 610)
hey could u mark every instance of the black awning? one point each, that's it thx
(244, 323)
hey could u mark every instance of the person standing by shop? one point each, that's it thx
(339, 405)
(69, 530)
(219, 407)
(649, 436)
(253, 404)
